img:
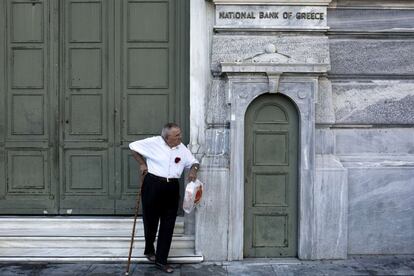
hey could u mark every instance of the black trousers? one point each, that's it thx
(159, 205)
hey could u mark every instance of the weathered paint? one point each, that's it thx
(83, 80)
(271, 178)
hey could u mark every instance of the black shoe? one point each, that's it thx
(150, 257)
(164, 267)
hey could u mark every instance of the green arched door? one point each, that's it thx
(271, 178)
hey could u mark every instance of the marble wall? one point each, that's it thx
(372, 135)
(380, 165)
(364, 146)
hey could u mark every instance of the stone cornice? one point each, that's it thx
(272, 68)
(274, 2)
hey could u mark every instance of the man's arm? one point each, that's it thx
(192, 175)
(141, 161)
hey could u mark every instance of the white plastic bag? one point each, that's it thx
(192, 197)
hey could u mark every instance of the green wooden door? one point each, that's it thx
(153, 82)
(82, 80)
(86, 164)
(271, 178)
(28, 145)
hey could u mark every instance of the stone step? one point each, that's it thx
(181, 259)
(74, 227)
(83, 239)
(85, 247)
(85, 242)
(85, 252)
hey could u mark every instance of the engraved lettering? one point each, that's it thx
(310, 15)
(236, 15)
(271, 15)
(250, 15)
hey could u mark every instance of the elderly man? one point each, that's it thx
(165, 159)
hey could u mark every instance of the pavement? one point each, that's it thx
(355, 265)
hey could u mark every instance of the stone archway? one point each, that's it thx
(242, 90)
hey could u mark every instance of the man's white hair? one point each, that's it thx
(166, 129)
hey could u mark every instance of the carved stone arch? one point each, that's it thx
(242, 90)
(274, 107)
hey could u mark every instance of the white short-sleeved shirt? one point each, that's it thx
(161, 159)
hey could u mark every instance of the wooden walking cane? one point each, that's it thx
(135, 222)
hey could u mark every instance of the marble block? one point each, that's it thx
(324, 109)
(217, 109)
(212, 218)
(217, 151)
(374, 102)
(370, 19)
(255, 49)
(381, 208)
(373, 4)
(373, 56)
(331, 208)
(302, 89)
(217, 141)
(374, 141)
(324, 141)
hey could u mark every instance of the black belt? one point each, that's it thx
(162, 178)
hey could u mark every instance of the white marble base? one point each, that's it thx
(331, 208)
(381, 205)
(212, 215)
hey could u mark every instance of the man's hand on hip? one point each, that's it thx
(141, 161)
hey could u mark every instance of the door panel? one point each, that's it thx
(27, 21)
(269, 231)
(27, 145)
(145, 16)
(87, 172)
(271, 148)
(270, 189)
(85, 21)
(149, 82)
